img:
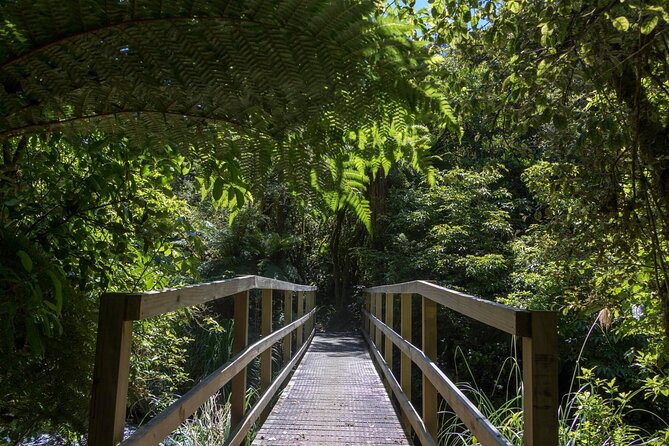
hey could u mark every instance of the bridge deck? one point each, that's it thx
(334, 398)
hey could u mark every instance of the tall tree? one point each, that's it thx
(589, 81)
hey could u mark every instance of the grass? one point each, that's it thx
(594, 414)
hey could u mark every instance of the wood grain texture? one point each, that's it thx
(109, 394)
(503, 317)
(266, 356)
(300, 312)
(405, 361)
(388, 347)
(153, 303)
(287, 319)
(378, 311)
(540, 381)
(240, 340)
(429, 347)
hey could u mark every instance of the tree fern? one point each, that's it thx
(239, 86)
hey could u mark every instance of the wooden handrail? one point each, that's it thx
(152, 303)
(110, 382)
(537, 328)
(238, 435)
(503, 317)
(404, 401)
(461, 405)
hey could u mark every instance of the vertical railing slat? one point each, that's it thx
(266, 356)
(240, 340)
(300, 313)
(311, 303)
(110, 378)
(367, 304)
(372, 311)
(540, 381)
(378, 334)
(287, 319)
(388, 347)
(429, 347)
(405, 364)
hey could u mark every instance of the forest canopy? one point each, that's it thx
(515, 150)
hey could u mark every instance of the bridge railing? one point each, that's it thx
(539, 348)
(110, 379)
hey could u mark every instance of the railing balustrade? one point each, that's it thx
(539, 348)
(112, 359)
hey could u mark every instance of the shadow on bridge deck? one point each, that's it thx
(334, 398)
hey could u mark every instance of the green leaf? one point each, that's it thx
(239, 196)
(58, 290)
(33, 337)
(217, 191)
(649, 25)
(621, 23)
(26, 261)
(514, 7)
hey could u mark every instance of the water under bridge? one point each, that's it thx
(333, 388)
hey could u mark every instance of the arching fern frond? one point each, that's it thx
(241, 86)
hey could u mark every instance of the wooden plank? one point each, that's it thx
(280, 285)
(388, 347)
(310, 303)
(160, 426)
(540, 381)
(239, 342)
(238, 435)
(109, 395)
(266, 330)
(405, 361)
(287, 319)
(153, 303)
(367, 302)
(372, 310)
(408, 410)
(429, 344)
(502, 317)
(300, 312)
(378, 335)
(480, 426)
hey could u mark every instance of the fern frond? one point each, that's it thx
(243, 87)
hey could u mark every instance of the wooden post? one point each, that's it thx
(377, 312)
(109, 395)
(366, 302)
(540, 388)
(311, 303)
(405, 361)
(266, 356)
(287, 319)
(429, 329)
(266, 330)
(240, 340)
(300, 313)
(372, 311)
(388, 320)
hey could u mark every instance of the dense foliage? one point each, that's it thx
(518, 151)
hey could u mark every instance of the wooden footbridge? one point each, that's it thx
(342, 389)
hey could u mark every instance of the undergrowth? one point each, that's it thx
(595, 411)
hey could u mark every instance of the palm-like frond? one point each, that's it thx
(239, 84)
